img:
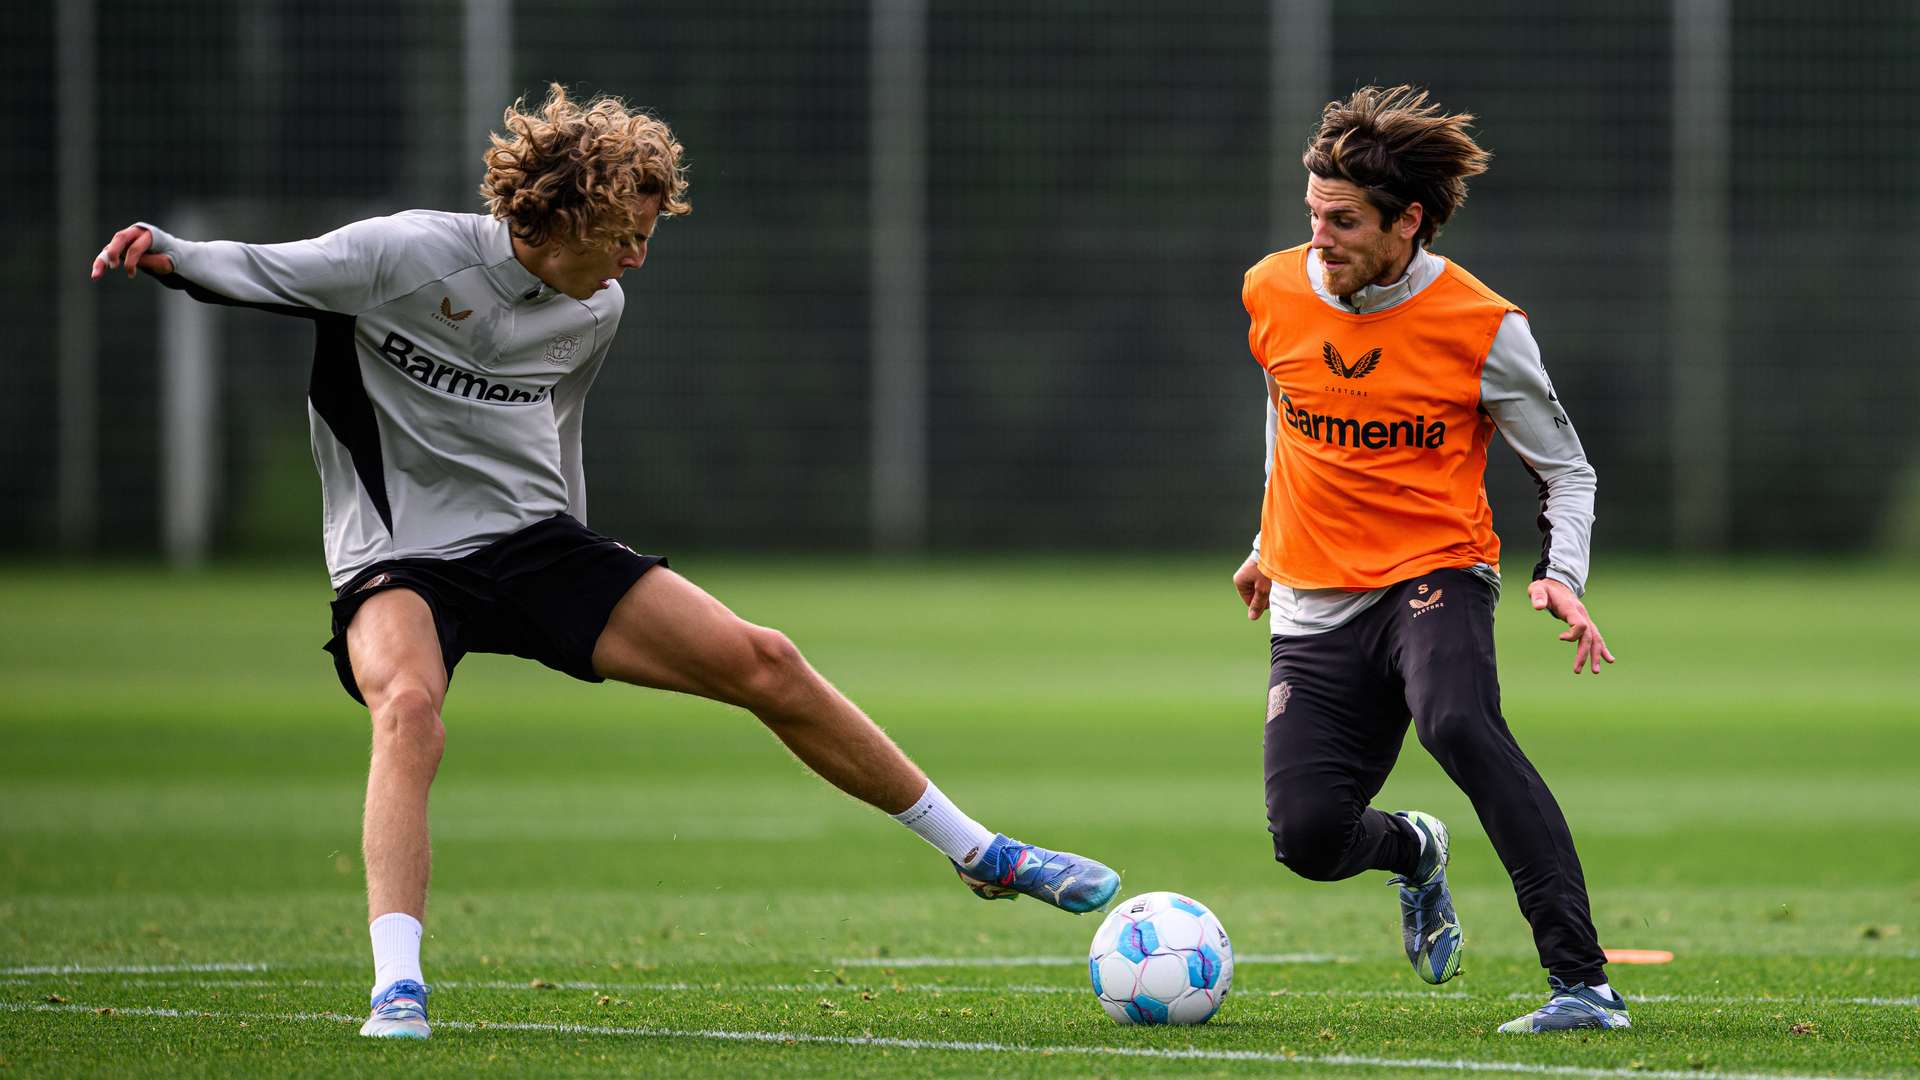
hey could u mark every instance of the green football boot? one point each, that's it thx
(1429, 928)
(1572, 1008)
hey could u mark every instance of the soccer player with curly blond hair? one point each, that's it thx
(452, 361)
(1388, 369)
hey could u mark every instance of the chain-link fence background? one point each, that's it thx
(1709, 210)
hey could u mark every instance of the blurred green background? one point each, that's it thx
(1759, 727)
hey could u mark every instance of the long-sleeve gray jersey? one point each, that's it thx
(1516, 393)
(448, 381)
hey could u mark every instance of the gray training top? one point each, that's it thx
(1516, 393)
(448, 381)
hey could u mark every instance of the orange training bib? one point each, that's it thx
(1379, 463)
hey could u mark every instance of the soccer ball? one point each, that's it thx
(1161, 958)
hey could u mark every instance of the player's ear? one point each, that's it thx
(1407, 225)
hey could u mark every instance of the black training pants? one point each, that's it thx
(1337, 710)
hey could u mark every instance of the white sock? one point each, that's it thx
(396, 949)
(935, 819)
(1604, 991)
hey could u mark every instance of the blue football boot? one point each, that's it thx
(399, 1012)
(1069, 882)
(1572, 1008)
(1428, 926)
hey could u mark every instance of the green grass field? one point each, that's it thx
(631, 883)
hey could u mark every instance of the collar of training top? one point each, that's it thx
(515, 282)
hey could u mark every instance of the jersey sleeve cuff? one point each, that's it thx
(1555, 573)
(164, 242)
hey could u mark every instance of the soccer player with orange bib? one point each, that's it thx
(1388, 369)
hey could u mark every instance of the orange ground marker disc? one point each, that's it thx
(1639, 956)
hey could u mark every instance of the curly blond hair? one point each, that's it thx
(581, 173)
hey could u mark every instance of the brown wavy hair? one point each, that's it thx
(581, 172)
(1401, 150)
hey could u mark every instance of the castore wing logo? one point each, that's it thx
(1337, 365)
(447, 315)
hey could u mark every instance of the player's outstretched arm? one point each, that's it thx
(343, 271)
(1589, 647)
(128, 248)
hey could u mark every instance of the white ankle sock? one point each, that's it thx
(1604, 991)
(935, 819)
(396, 949)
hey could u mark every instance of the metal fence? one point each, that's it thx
(965, 276)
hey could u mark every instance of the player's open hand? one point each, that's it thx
(1253, 586)
(128, 249)
(1589, 647)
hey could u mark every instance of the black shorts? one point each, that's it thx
(543, 593)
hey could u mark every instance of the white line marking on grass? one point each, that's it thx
(130, 1010)
(127, 969)
(795, 1037)
(1062, 961)
(202, 984)
(1677, 999)
(768, 988)
(1037, 988)
(908, 988)
(1800, 1000)
(543, 985)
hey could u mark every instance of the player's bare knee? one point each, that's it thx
(408, 717)
(777, 675)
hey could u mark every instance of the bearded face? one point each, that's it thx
(1354, 250)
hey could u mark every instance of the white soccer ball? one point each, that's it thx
(1161, 958)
